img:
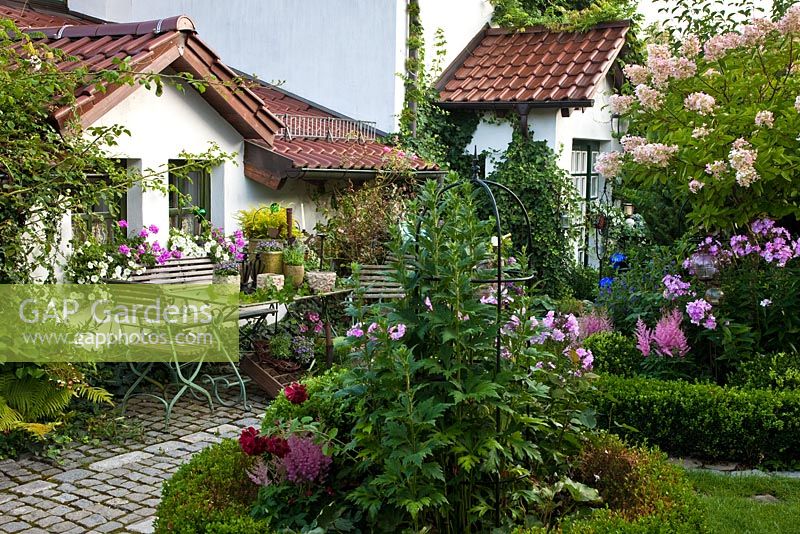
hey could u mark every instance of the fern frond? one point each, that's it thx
(93, 394)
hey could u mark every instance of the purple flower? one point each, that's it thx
(143, 232)
(125, 250)
(122, 223)
(356, 331)
(697, 310)
(153, 228)
(305, 461)
(675, 287)
(586, 358)
(177, 254)
(549, 319)
(430, 306)
(596, 321)
(397, 331)
(558, 335)
(710, 323)
(765, 303)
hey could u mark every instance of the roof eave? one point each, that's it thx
(546, 104)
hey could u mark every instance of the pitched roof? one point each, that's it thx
(149, 46)
(320, 153)
(535, 66)
(33, 14)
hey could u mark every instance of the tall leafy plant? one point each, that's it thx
(445, 432)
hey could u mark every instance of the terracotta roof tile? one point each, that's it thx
(536, 65)
(323, 154)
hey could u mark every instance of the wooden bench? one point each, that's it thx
(378, 280)
(183, 271)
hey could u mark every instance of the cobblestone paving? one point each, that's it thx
(114, 488)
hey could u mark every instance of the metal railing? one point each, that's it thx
(332, 128)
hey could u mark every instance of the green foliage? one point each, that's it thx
(529, 169)
(294, 254)
(614, 353)
(560, 15)
(33, 397)
(725, 132)
(326, 403)
(211, 493)
(280, 346)
(426, 432)
(263, 222)
(641, 491)
(583, 282)
(777, 371)
(358, 220)
(703, 420)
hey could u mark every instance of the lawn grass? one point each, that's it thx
(731, 509)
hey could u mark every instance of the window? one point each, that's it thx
(189, 200)
(101, 220)
(590, 186)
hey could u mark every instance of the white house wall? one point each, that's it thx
(459, 20)
(342, 54)
(163, 126)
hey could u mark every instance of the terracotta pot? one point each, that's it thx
(227, 279)
(268, 280)
(272, 262)
(294, 274)
(321, 281)
(273, 232)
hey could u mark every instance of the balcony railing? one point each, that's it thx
(331, 128)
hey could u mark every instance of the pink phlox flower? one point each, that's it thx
(697, 310)
(125, 250)
(710, 323)
(549, 320)
(355, 331)
(572, 326)
(397, 331)
(765, 303)
(318, 328)
(557, 335)
(675, 287)
(429, 305)
(669, 337)
(586, 358)
(122, 223)
(313, 317)
(303, 328)
(153, 229)
(462, 316)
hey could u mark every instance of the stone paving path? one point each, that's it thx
(114, 488)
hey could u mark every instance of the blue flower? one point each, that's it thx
(606, 282)
(617, 258)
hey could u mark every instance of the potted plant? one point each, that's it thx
(271, 254)
(293, 269)
(263, 222)
(227, 273)
(276, 351)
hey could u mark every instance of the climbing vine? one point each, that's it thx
(529, 168)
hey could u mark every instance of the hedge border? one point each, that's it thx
(705, 421)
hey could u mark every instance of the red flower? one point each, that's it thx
(277, 446)
(251, 443)
(296, 393)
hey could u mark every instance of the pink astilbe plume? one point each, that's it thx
(596, 321)
(669, 337)
(643, 337)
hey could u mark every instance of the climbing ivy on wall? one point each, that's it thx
(426, 129)
(529, 169)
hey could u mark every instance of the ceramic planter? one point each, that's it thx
(272, 262)
(267, 280)
(321, 281)
(227, 279)
(294, 274)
